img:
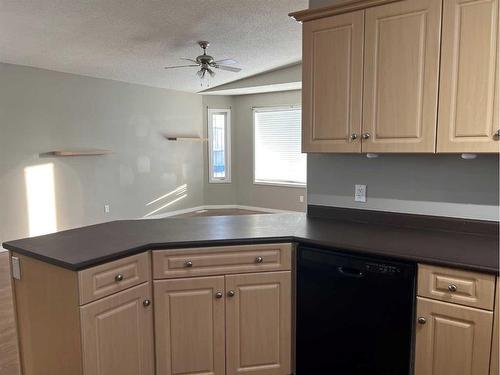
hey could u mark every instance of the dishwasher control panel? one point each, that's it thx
(382, 268)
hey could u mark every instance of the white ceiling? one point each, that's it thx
(132, 40)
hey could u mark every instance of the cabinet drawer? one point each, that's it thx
(221, 260)
(456, 286)
(109, 278)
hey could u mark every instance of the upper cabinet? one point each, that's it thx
(332, 83)
(412, 76)
(401, 76)
(469, 102)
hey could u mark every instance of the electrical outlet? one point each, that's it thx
(301, 198)
(106, 208)
(360, 193)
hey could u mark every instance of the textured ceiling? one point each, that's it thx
(132, 40)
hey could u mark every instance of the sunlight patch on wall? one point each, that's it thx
(166, 205)
(180, 190)
(40, 195)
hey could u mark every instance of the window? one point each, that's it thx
(278, 159)
(219, 145)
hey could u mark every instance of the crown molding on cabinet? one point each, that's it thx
(343, 6)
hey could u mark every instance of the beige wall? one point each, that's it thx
(242, 189)
(42, 110)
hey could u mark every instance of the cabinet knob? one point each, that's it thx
(365, 136)
(452, 288)
(188, 263)
(259, 260)
(497, 135)
(146, 302)
(231, 293)
(218, 295)
(119, 277)
(422, 320)
(353, 137)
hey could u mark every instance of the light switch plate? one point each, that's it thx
(16, 268)
(360, 193)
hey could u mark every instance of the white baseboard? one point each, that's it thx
(217, 207)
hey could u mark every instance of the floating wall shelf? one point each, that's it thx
(88, 152)
(184, 138)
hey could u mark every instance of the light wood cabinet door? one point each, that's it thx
(189, 326)
(402, 43)
(455, 340)
(495, 348)
(468, 99)
(117, 334)
(332, 83)
(258, 324)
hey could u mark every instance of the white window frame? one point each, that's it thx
(273, 183)
(227, 178)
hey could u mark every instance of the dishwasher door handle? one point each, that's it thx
(350, 272)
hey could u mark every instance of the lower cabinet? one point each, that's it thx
(452, 339)
(258, 323)
(228, 324)
(495, 346)
(117, 333)
(189, 324)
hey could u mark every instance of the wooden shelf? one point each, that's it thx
(184, 138)
(86, 152)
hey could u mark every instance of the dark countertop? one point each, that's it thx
(80, 248)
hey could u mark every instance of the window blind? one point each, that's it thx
(277, 146)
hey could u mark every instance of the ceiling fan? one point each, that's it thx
(207, 63)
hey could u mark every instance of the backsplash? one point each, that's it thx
(441, 185)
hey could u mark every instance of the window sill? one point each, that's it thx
(219, 181)
(281, 184)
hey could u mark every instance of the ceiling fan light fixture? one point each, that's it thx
(207, 63)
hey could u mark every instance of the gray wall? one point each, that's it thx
(242, 188)
(43, 110)
(443, 185)
(427, 184)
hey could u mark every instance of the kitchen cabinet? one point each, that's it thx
(332, 83)
(495, 345)
(117, 333)
(467, 288)
(430, 76)
(224, 324)
(190, 326)
(258, 323)
(62, 334)
(402, 42)
(454, 322)
(223, 310)
(469, 99)
(452, 339)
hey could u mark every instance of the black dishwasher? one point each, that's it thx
(355, 314)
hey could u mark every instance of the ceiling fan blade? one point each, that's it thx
(226, 62)
(228, 68)
(194, 61)
(179, 66)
